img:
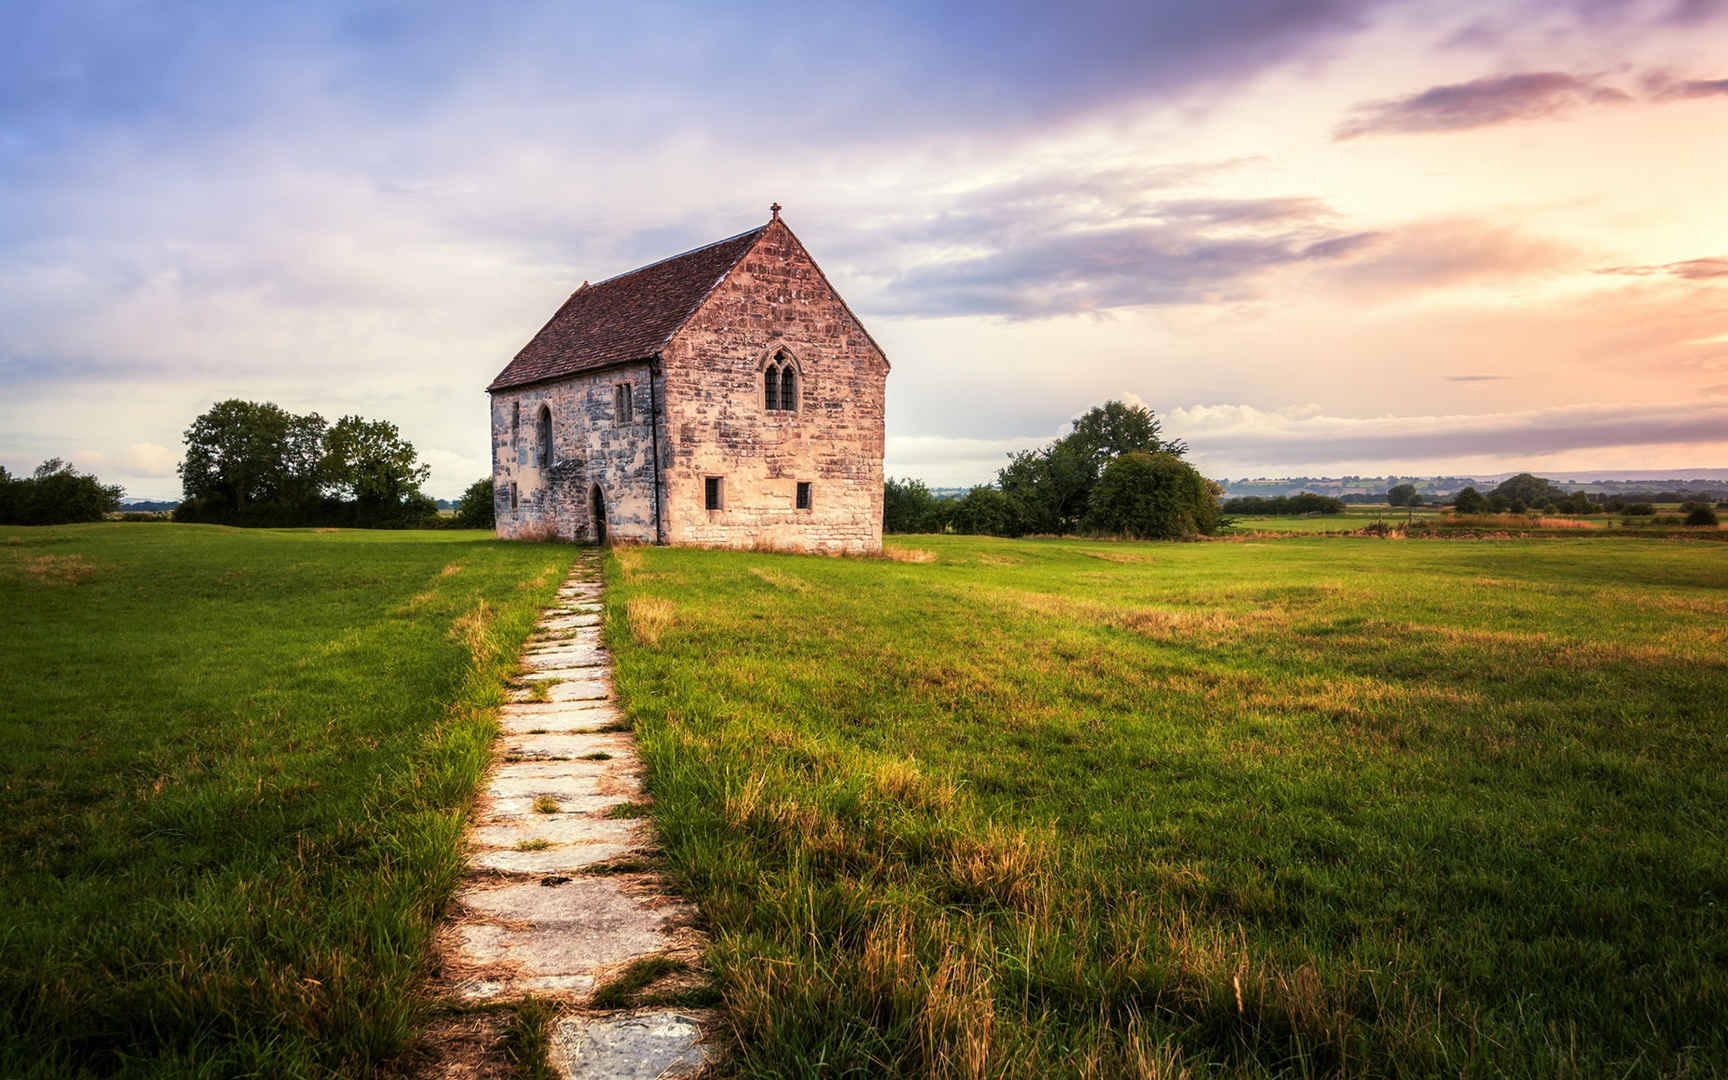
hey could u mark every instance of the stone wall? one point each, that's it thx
(717, 425)
(589, 446)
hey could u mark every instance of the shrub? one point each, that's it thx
(986, 511)
(1303, 502)
(1641, 510)
(1702, 515)
(1469, 501)
(476, 509)
(1153, 497)
(55, 494)
(908, 507)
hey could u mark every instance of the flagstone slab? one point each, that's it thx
(563, 829)
(575, 987)
(526, 717)
(559, 859)
(647, 1045)
(591, 661)
(614, 744)
(581, 926)
(566, 687)
(572, 621)
(606, 792)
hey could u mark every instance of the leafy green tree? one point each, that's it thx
(1469, 501)
(369, 463)
(1049, 488)
(1115, 428)
(1153, 497)
(55, 494)
(1498, 503)
(1402, 495)
(248, 458)
(908, 507)
(475, 509)
(1702, 514)
(1529, 490)
(985, 511)
(1579, 503)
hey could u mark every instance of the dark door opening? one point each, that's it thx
(597, 510)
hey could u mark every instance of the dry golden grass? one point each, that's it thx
(55, 569)
(629, 560)
(471, 627)
(450, 569)
(1121, 556)
(649, 617)
(906, 554)
(779, 579)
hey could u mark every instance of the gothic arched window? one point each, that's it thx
(780, 384)
(544, 434)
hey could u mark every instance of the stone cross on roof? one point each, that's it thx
(775, 210)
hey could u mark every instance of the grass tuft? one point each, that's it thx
(620, 991)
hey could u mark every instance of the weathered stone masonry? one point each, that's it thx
(691, 337)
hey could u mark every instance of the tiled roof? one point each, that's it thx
(628, 317)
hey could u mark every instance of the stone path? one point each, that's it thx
(558, 901)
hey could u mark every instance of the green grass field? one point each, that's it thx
(1281, 807)
(993, 808)
(234, 766)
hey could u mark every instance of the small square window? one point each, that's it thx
(711, 492)
(803, 494)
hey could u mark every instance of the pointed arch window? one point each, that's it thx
(780, 384)
(544, 434)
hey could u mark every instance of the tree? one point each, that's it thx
(1402, 495)
(1115, 428)
(1529, 490)
(476, 508)
(1153, 497)
(1469, 501)
(985, 511)
(908, 507)
(1049, 488)
(369, 463)
(55, 494)
(252, 461)
(1702, 514)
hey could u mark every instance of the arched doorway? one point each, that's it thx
(597, 514)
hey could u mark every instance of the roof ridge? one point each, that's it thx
(669, 258)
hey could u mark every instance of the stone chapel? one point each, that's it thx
(724, 397)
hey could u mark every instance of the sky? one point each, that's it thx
(1317, 237)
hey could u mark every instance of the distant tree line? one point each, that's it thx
(1113, 474)
(255, 463)
(1305, 502)
(55, 494)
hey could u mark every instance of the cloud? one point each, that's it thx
(150, 460)
(1478, 103)
(1719, 390)
(1088, 242)
(1692, 88)
(1477, 378)
(1427, 255)
(1690, 269)
(1245, 434)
